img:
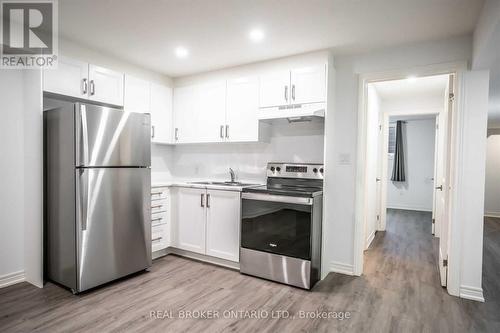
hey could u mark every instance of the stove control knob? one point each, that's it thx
(278, 169)
(321, 170)
(315, 170)
(272, 169)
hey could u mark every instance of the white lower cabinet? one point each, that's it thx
(160, 219)
(207, 222)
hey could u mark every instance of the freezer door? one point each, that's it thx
(113, 223)
(110, 137)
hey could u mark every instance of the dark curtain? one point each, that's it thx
(398, 170)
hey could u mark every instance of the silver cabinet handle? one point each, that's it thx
(153, 131)
(286, 93)
(92, 88)
(222, 131)
(202, 199)
(176, 134)
(293, 92)
(84, 87)
(157, 219)
(227, 131)
(208, 200)
(157, 206)
(156, 239)
(440, 187)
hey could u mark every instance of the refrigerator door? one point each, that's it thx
(109, 137)
(113, 223)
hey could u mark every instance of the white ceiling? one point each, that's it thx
(215, 32)
(417, 88)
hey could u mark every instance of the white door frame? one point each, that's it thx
(383, 155)
(457, 68)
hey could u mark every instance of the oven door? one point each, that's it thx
(277, 224)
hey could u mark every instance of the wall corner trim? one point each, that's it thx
(338, 267)
(472, 293)
(12, 278)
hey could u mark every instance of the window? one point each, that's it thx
(392, 139)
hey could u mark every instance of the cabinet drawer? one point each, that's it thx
(159, 237)
(158, 218)
(158, 194)
(158, 206)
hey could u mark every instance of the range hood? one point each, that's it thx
(294, 113)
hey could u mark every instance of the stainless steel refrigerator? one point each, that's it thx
(97, 184)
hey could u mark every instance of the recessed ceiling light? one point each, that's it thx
(181, 52)
(256, 35)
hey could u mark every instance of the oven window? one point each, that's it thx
(275, 227)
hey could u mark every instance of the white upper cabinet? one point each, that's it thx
(242, 105)
(297, 86)
(223, 224)
(185, 114)
(161, 114)
(137, 95)
(70, 78)
(189, 219)
(210, 119)
(105, 85)
(275, 89)
(308, 85)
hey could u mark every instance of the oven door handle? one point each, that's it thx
(277, 198)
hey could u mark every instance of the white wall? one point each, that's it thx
(492, 186)
(341, 129)
(416, 192)
(296, 142)
(12, 175)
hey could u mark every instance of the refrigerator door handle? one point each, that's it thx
(81, 136)
(82, 196)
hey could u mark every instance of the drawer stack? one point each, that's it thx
(160, 222)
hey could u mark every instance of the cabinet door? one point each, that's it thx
(190, 216)
(210, 117)
(105, 85)
(70, 78)
(161, 114)
(137, 95)
(308, 84)
(275, 89)
(223, 224)
(242, 105)
(185, 114)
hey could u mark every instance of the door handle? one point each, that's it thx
(208, 200)
(286, 93)
(440, 187)
(176, 134)
(293, 92)
(84, 87)
(202, 199)
(153, 131)
(222, 131)
(377, 179)
(92, 88)
(83, 198)
(227, 131)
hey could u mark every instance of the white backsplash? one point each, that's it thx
(296, 142)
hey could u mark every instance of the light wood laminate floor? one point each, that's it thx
(399, 292)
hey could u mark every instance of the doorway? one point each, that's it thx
(407, 154)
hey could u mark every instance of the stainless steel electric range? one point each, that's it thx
(281, 225)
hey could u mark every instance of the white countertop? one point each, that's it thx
(189, 183)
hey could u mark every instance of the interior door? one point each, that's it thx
(161, 114)
(114, 223)
(443, 187)
(210, 118)
(70, 78)
(308, 84)
(190, 214)
(275, 89)
(242, 107)
(223, 224)
(105, 85)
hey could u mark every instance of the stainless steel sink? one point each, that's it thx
(223, 183)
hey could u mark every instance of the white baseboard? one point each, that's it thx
(472, 293)
(338, 267)
(492, 214)
(369, 240)
(420, 209)
(12, 278)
